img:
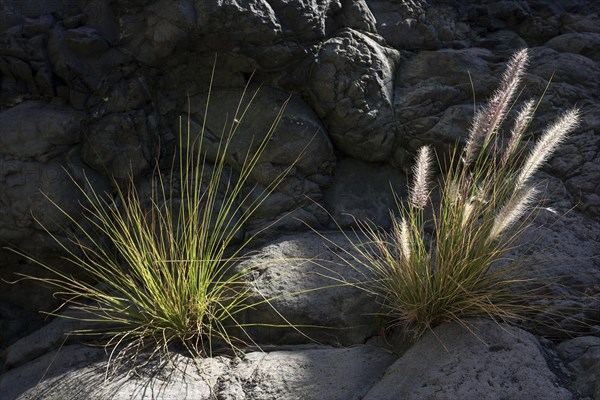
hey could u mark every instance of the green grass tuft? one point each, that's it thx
(167, 275)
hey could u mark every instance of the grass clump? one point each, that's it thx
(167, 275)
(441, 260)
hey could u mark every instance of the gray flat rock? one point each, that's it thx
(305, 280)
(486, 361)
(78, 372)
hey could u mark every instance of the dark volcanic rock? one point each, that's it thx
(582, 357)
(351, 89)
(94, 89)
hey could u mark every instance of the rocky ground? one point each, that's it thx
(95, 87)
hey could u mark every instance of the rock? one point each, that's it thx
(86, 42)
(320, 372)
(583, 21)
(434, 108)
(302, 277)
(558, 253)
(100, 16)
(14, 384)
(316, 373)
(27, 186)
(444, 117)
(569, 72)
(357, 15)
(484, 360)
(79, 78)
(15, 322)
(300, 141)
(21, 318)
(563, 243)
(538, 29)
(364, 191)
(38, 130)
(19, 71)
(300, 138)
(305, 21)
(121, 145)
(122, 95)
(33, 8)
(10, 16)
(508, 13)
(277, 34)
(502, 43)
(54, 335)
(577, 162)
(153, 32)
(582, 357)
(415, 24)
(351, 90)
(94, 87)
(585, 44)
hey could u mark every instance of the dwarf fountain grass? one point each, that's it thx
(455, 270)
(167, 275)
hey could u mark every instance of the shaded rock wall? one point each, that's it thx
(96, 87)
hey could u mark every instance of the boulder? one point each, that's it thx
(49, 367)
(97, 87)
(53, 335)
(308, 286)
(38, 130)
(351, 84)
(15, 322)
(583, 43)
(503, 42)
(27, 187)
(582, 357)
(364, 191)
(314, 372)
(573, 77)
(152, 31)
(122, 145)
(300, 139)
(299, 143)
(482, 360)
(437, 109)
(415, 24)
(577, 163)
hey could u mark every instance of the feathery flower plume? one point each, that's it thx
(552, 138)
(521, 122)
(404, 239)
(419, 193)
(514, 209)
(488, 119)
(467, 213)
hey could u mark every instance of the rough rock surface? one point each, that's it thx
(300, 140)
(310, 285)
(482, 361)
(582, 357)
(313, 372)
(351, 87)
(364, 191)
